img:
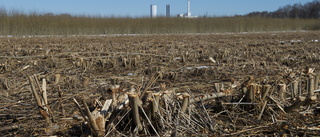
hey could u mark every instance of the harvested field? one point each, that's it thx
(249, 84)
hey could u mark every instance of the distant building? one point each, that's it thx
(188, 14)
(153, 11)
(168, 11)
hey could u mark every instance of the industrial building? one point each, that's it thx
(188, 14)
(153, 11)
(168, 11)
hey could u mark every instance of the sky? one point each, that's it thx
(141, 8)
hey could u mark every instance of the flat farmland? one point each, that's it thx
(226, 84)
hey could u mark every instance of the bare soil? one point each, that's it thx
(194, 63)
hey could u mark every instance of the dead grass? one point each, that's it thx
(17, 23)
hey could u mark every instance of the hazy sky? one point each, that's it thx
(137, 8)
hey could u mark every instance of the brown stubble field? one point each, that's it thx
(88, 67)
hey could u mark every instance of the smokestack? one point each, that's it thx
(189, 11)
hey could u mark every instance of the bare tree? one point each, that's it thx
(298, 10)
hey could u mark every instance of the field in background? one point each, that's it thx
(49, 24)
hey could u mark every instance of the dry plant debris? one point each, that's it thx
(252, 84)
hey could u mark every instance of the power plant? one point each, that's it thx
(153, 11)
(188, 14)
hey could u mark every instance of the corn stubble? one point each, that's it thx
(161, 85)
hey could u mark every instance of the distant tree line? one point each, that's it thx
(298, 10)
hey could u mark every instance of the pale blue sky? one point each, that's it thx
(139, 8)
